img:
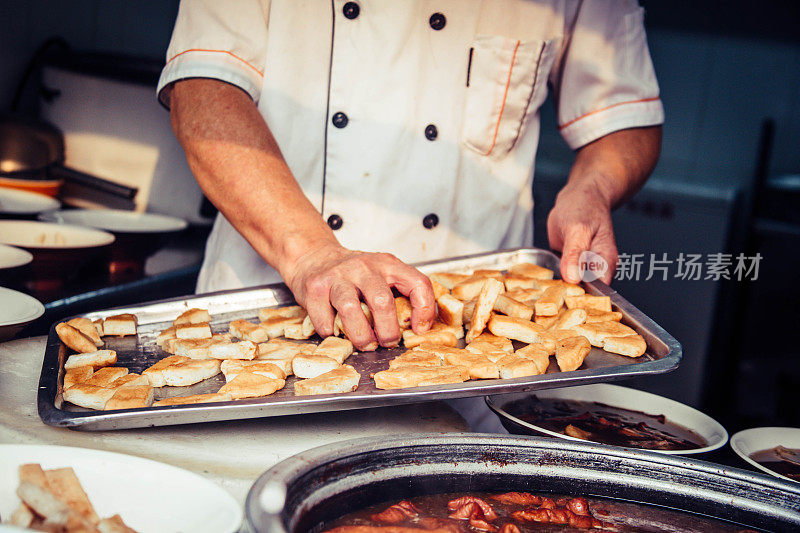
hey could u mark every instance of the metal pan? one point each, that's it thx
(663, 354)
(320, 485)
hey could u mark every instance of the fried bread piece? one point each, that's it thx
(190, 372)
(276, 326)
(95, 359)
(89, 396)
(560, 334)
(337, 381)
(131, 398)
(311, 366)
(517, 282)
(124, 324)
(193, 331)
(196, 348)
(516, 366)
(629, 346)
(193, 316)
(439, 350)
(73, 338)
(153, 373)
(249, 385)
(571, 352)
(104, 376)
(451, 310)
(416, 357)
(587, 301)
(550, 302)
(569, 319)
(98, 325)
(525, 296)
(593, 315)
(445, 337)
(195, 398)
(448, 279)
(470, 288)
(483, 309)
(290, 311)
(233, 367)
(488, 273)
(537, 353)
(301, 331)
(531, 270)
(45, 504)
(402, 307)
(511, 307)
(597, 332)
(233, 350)
(439, 289)
(77, 375)
(281, 352)
(488, 342)
(130, 380)
(417, 376)
(469, 311)
(478, 365)
(87, 327)
(548, 322)
(518, 329)
(22, 517)
(247, 331)
(64, 484)
(165, 335)
(336, 348)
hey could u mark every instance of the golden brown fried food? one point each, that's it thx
(571, 352)
(337, 381)
(74, 339)
(249, 385)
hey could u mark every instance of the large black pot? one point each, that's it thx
(327, 482)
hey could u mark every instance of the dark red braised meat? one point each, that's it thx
(511, 512)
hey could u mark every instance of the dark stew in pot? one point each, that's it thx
(519, 512)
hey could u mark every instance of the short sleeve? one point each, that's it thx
(221, 40)
(604, 80)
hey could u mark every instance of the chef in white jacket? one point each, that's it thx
(342, 140)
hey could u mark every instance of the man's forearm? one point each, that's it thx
(605, 174)
(617, 164)
(239, 166)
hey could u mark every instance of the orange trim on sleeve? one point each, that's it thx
(218, 51)
(573, 121)
(505, 95)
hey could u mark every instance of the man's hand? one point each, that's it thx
(606, 172)
(580, 221)
(330, 278)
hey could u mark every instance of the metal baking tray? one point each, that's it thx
(137, 353)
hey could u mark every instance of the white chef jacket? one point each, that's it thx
(412, 126)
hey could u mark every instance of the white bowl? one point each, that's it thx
(150, 496)
(17, 310)
(25, 203)
(44, 235)
(11, 257)
(756, 439)
(614, 395)
(117, 220)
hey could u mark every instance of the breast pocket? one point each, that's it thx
(507, 80)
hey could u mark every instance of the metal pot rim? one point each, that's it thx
(293, 468)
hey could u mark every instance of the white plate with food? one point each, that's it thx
(117, 220)
(610, 414)
(775, 450)
(148, 496)
(14, 202)
(18, 309)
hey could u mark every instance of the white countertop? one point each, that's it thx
(232, 454)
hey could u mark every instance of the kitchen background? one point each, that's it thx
(728, 179)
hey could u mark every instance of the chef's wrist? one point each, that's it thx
(596, 188)
(296, 248)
